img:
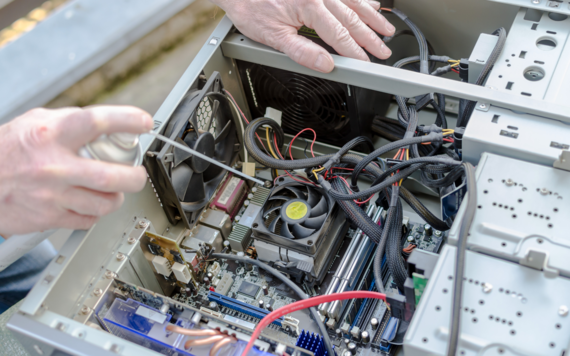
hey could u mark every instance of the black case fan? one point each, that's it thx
(204, 121)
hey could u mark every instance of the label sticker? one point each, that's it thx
(151, 314)
(228, 191)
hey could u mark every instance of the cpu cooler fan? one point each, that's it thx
(299, 228)
(203, 121)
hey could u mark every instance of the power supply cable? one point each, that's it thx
(467, 220)
(290, 284)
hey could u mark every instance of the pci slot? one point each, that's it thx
(241, 307)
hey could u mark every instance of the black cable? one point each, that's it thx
(422, 211)
(424, 51)
(394, 244)
(290, 284)
(467, 219)
(388, 226)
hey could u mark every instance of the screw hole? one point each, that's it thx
(558, 326)
(438, 308)
(513, 332)
(255, 225)
(425, 340)
(481, 302)
(519, 314)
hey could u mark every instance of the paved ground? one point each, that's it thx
(155, 81)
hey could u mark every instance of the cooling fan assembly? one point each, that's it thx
(203, 121)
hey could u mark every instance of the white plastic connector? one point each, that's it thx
(224, 284)
(162, 265)
(274, 114)
(181, 272)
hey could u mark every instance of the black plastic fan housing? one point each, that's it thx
(337, 112)
(203, 121)
(295, 216)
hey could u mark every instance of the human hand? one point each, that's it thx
(342, 24)
(44, 184)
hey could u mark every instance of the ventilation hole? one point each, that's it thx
(552, 344)
(470, 280)
(551, 32)
(512, 128)
(503, 244)
(425, 340)
(494, 204)
(508, 291)
(485, 191)
(479, 206)
(466, 309)
(476, 283)
(508, 65)
(472, 311)
(514, 216)
(481, 302)
(503, 321)
(500, 76)
(501, 351)
(546, 43)
(542, 216)
(522, 55)
(497, 319)
(501, 290)
(539, 62)
(500, 205)
(555, 210)
(474, 320)
(445, 290)
(533, 15)
(510, 85)
(558, 326)
(533, 27)
(512, 208)
(557, 17)
(526, 94)
(510, 323)
(438, 308)
(490, 317)
(519, 314)
(550, 226)
(520, 200)
(450, 277)
(539, 241)
(513, 332)
(490, 180)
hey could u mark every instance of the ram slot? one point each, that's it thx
(352, 310)
(347, 260)
(354, 271)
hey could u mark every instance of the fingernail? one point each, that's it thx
(323, 63)
(147, 120)
(385, 50)
(390, 27)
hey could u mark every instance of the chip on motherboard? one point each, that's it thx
(249, 289)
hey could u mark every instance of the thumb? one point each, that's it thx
(306, 52)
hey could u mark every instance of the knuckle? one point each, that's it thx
(351, 18)
(343, 36)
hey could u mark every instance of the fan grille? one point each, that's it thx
(305, 101)
(203, 115)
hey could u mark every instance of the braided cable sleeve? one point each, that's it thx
(377, 266)
(394, 258)
(432, 137)
(357, 215)
(422, 211)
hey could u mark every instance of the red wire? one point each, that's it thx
(455, 70)
(245, 118)
(304, 304)
(350, 191)
(297, 135)
(280, 155)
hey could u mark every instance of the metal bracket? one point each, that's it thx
(539, 260)
(563, 162)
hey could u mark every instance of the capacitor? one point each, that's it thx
(265, 289)
(352, 348)
(427, 229)
(213, 306)
(411, 238)
(254, 189)
(338, 332)
(346, 353)
(261, 303)
(246, 203)
(365, 336)
(250, 196)
(164, 308)
(210, 275)
(207, 281)
(346, 341)
(227, 246)
(188, 292)
(374, 323)
(269, 307)
(196, 318)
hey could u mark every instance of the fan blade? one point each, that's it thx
(279, 197)
(302, 232)
(297, 192)
(285, 231)
(273, 224)
(222, 135)
(179, 155)
(313, 198)
(320, 209)
(197, 192)
(181, 177)
(267, 212)
(316, 222)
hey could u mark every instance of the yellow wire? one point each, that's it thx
(407, 158)
(269, 143)
(315, 171)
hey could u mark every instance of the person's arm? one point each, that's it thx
(342, 24)
(44, 184)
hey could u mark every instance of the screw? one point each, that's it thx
(544, 191)
(143, 224)
(487, 287)
(563, 310)
(97, 292)
(509, 182)
(482, 106)
(267, 184)
(85, 310)
(131, 240)
(121, 256)
(109, 275)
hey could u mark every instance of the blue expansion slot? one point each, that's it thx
(366, 301)
(241, 307)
